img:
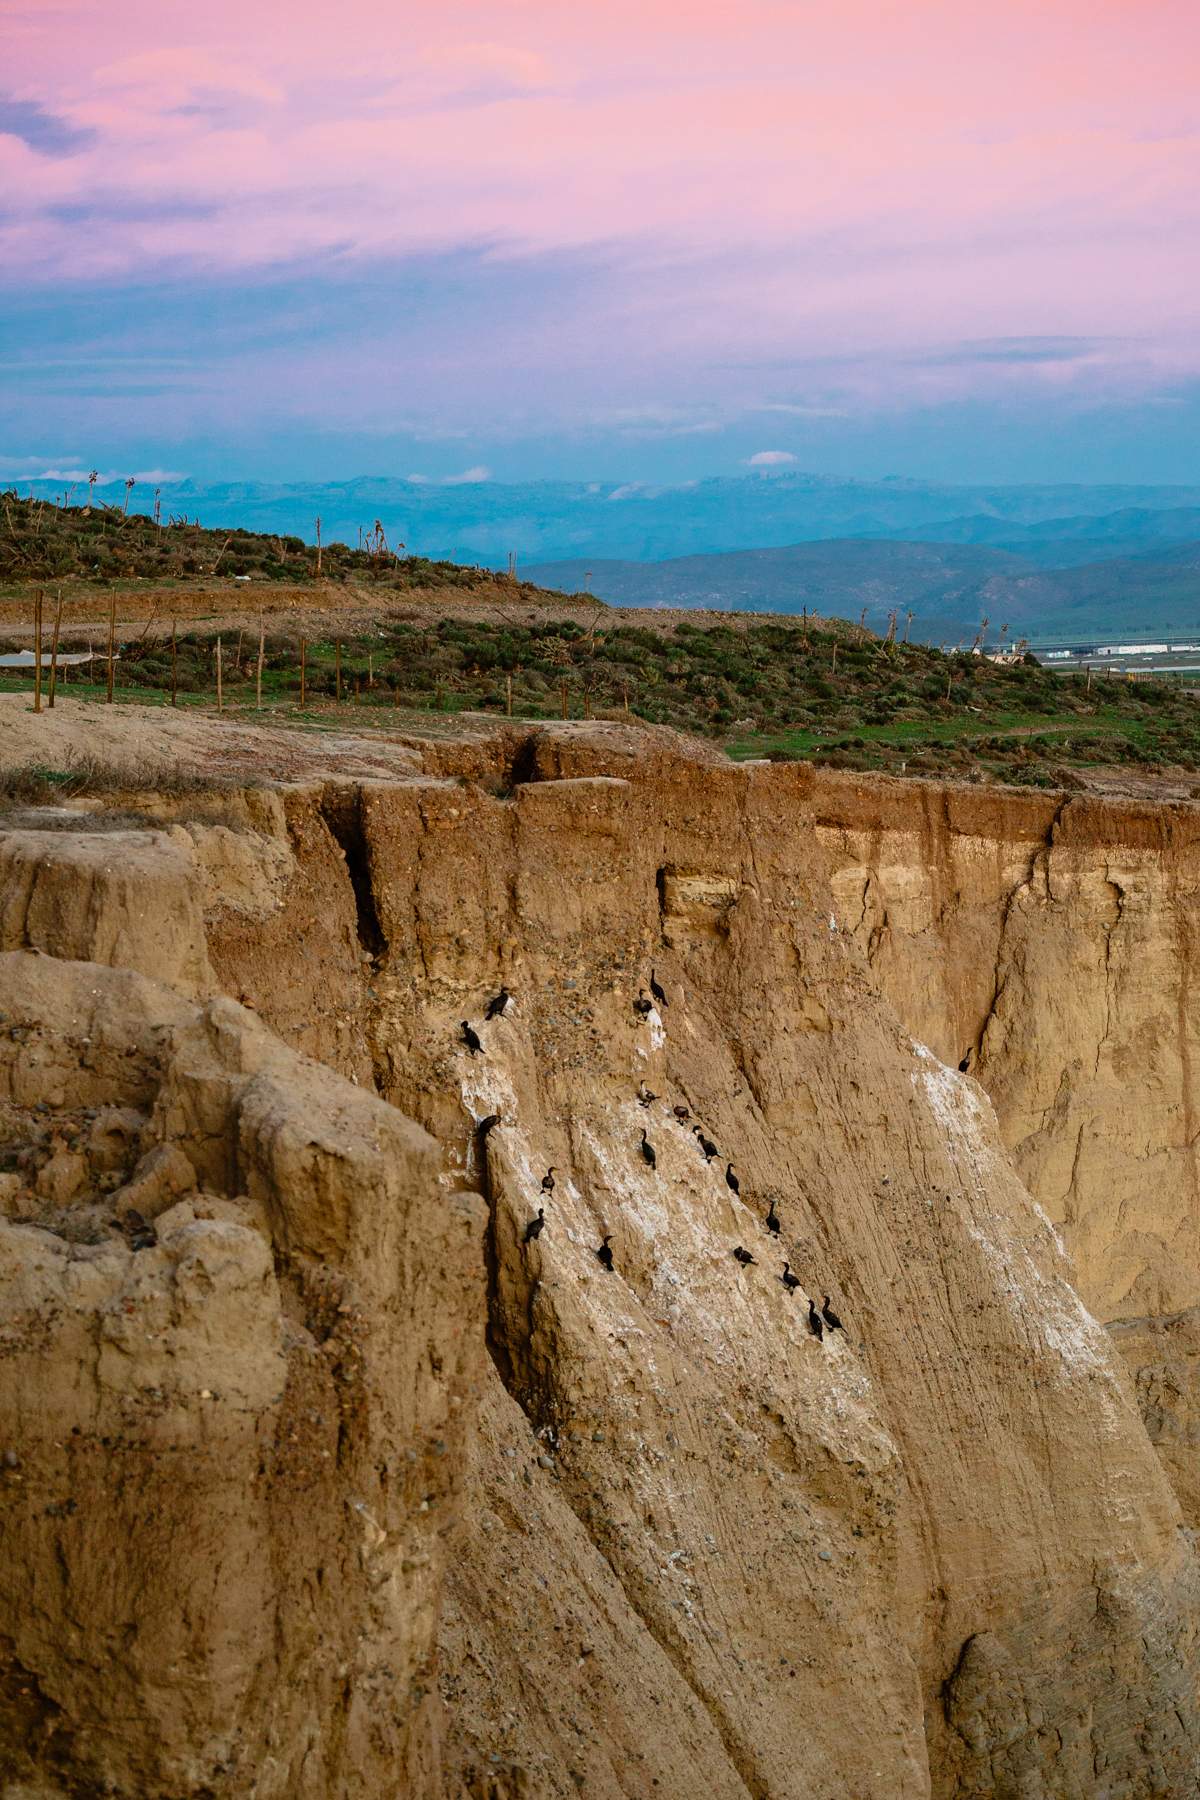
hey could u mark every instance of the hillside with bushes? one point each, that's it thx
(101, 545)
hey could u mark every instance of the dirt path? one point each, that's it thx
(329, 611)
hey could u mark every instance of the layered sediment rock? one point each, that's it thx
(656, 1537)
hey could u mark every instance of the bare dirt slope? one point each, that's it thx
(323, 611)
(622, 1532)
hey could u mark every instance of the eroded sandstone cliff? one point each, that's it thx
(375, 1497)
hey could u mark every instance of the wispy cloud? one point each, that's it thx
(40, 129)
(34, 470)
(466, 478)
(770, 459)
(795, 411)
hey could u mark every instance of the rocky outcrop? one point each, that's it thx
(643, 1531)
(239, 1321)
(128, 898)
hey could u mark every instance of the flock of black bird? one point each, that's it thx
(818, 1322)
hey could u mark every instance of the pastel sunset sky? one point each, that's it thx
(943, 237)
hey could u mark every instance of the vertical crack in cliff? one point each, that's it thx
(342, 811)
(1040, 854)
(497, 1346)
(524, 765)
(1110, 927)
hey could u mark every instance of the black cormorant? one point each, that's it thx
(548, 1181)
(743, 1256)
(536, 1226)
(731, 1180)
(707, 1148)
(496, 1006)
(814, 1322)
(604, 1254)
(682, 1114)
(641, 1005)
(471, 1039)
(648, 1152)
(772, 1220)
(830, 1317)
(791, 1282)
(656, 989)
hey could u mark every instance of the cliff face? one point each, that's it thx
(654, 1537)
(1053, 943)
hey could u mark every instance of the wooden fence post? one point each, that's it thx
(37, 652)
(54, 649)
(112, 632)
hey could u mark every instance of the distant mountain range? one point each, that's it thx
(947, 587)
(551, 521)
(1046, 559)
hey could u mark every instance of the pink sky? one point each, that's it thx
(537, 126)
(834, 177)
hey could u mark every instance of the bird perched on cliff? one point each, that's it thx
(535, 1227)
(814, 1322)
(487, 1125)
(642, 1006)
(471, 1040)
(707, 1148)
(772, 1219)
(645, 1097)
(139, 1232)
(731, 1180)
(830, 1317)
(648, 1152)
(743, 1256)
(682, 1114)
(496, 1006)
(656, 989)
(548, 1181)
(604, 1255)
(791, 1282)
(965, 1064)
